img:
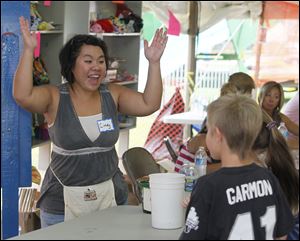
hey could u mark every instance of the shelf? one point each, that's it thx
(121, 34)
(124, 82)
(100, 35)
(125, 125)
(51, 32)
(38, 142)
(126, 128)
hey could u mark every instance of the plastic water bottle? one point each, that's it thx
(283, 130)
(201, 161)
(191, 175)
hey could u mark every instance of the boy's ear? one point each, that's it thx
(218, 134)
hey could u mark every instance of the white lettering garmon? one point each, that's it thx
(249, 191)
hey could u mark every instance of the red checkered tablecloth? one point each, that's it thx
(159, 130)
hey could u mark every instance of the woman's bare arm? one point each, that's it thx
(140, 104)
(34, 99)
(290, 125)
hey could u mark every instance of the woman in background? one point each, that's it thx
(271, 100)
(273, 153)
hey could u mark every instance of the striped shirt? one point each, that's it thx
(184, 157)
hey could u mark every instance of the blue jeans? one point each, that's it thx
(48, 219)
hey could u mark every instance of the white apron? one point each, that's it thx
(81, 200)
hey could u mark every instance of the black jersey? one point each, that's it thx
(237, 203)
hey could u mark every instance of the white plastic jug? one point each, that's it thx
(167, 193)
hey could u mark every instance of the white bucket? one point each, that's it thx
(167, 193)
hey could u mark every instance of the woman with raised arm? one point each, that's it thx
(83, 175)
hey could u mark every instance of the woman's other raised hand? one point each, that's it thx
(154, 52)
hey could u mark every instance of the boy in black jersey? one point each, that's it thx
(241, 200)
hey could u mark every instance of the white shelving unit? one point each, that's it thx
(51, 32)
(101, 35)
(124, 46)
(127, 82)
(51, 43)
(119, 34)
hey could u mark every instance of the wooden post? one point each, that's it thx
(260, 39)
(191, 64)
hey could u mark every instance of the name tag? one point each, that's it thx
(105, 125)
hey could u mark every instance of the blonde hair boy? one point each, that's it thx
(228, 88)
(242, 198)
(243, 82)
(239, 119)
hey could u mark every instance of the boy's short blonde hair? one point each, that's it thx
(243, 82)
(228, 88)
(239, 118)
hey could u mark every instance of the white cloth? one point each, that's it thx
(88, 199)
(291, 110)
(81, 200)
(90, 126)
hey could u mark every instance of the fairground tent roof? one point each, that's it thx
(272, 50)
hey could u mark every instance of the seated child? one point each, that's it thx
(241, 200)
(187, 152)
(274, 153)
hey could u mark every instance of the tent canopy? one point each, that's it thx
(212, 12)
(276, 45)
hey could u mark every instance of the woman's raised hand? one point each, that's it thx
(154, 52)
(29, 39)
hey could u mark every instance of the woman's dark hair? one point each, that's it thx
(279, 160)
(69, 53)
